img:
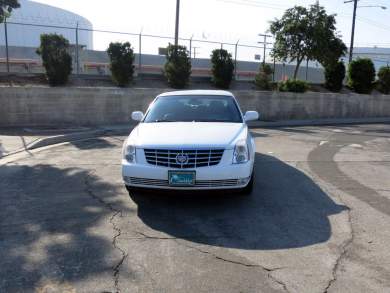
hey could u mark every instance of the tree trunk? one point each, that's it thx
(299, 61)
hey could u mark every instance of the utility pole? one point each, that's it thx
(177, 23)
(355, 2)
(264, 44)
(77, 50)
(6, 42)
(353, 29)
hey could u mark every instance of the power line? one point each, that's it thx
(252, 4)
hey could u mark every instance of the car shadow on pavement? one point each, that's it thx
(50, 228)
(286, 210)
(93, 144)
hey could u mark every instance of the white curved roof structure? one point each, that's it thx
(31, 12)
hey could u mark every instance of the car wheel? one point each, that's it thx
(247, 190)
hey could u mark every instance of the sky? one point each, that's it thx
(220, 20)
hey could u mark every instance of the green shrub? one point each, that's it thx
(384, 79)
(222, 68)
(54, 51)
(263, 78)
(293, 85)
(121, 62)
(177, 69)
(361, 75)
(334, 76)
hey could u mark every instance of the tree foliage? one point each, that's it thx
(293, 85)
(121, 62)
(361, 75)
(263, 78)
(222, 68)
(6, 7)
(384, 79)
(177, 69)
(334, 76)
(304, 33)
(54, 51)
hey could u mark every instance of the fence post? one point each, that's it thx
(6, 43)
(139, 53)
(273, 72)
(191, 46)
(235, 59)
(265, 44)
(77, 50)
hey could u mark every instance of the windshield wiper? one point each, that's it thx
(214, 120)
(163, 120)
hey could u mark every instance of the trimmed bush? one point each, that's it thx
(334, 76)
(177, 69)
(54, 51)
(222, 68)
(293, 85)
(121, 63)
(361, 75)
(384, 80)
(263, 78)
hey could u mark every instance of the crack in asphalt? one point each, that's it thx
(345, 246)
(343, 252)
(192, 237)
(219, 258)
(116, 212)
(329, 151)
(249, 265)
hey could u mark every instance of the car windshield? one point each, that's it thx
(194, 108)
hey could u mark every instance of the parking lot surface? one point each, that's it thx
(318, 220)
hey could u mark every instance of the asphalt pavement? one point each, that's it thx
(317, 221)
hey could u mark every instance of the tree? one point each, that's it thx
(121, 62)
(6, 7)
(222, 68)
(384, 79)
(334, 76)
(177, 69)
(54, 51)
(361, 75)
(304, 33)
(263, 78)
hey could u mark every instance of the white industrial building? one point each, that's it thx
(31, 12)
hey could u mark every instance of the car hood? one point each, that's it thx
(188, 134)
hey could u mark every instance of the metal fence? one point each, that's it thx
(20, 40)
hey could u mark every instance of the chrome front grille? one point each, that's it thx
(198, 183)
(183, 159)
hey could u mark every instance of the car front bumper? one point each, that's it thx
(225, 175)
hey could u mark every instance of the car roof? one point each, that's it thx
(197, 93)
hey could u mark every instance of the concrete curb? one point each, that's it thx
(125, 129)
(46, 141)
(317, 122)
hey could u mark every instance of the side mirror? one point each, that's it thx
(137, 115)
(251, 115)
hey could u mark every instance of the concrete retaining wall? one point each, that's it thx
(43, 106)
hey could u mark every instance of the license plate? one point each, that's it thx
(181, 178)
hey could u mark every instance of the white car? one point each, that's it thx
(190, 140)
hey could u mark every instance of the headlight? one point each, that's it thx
(241, 152)
(129, 153)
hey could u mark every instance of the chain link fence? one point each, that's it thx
(19, 40)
